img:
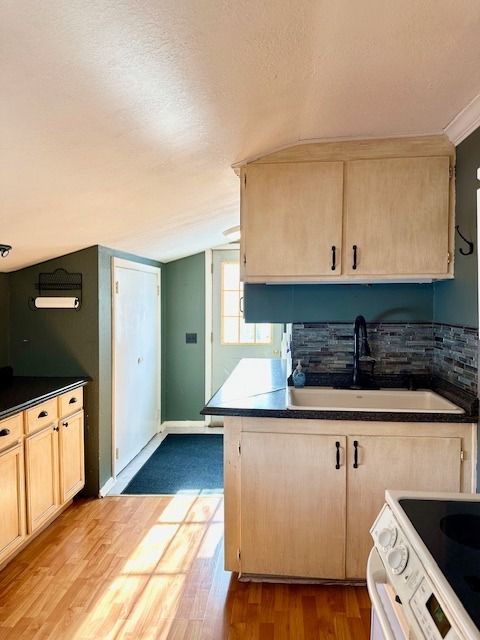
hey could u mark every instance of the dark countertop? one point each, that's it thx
(18, 393)
(257, 388)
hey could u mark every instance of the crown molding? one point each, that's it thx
(465, 122)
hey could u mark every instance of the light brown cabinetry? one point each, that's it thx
(41, 415)
(349, 211)
(280, 198)
(396, 216)
(72, 473)
(41, 465)
(12, 500)
(40, 472)
(291, 511)
(392, 462)
(285, 480)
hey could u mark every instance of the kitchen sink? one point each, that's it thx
(391, 400)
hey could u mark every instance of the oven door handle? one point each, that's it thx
(376, 575)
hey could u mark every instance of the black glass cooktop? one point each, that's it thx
(450, 529)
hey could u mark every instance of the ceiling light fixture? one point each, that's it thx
(5, 250)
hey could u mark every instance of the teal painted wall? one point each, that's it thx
(58, 342)
(338, 303)
(184, 312)
(4, 319)
(456, 301)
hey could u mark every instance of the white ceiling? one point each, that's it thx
(120, 119)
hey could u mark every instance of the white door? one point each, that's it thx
(233, 339)
(136, 358)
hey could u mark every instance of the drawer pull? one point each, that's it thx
(4, 432)
(56, 428)
(65, 424)
(43, 414)
(72, 401)
(334, 261)
(354, 266)
(337, 466)
(355, 454)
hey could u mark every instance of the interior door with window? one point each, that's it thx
(233, 338)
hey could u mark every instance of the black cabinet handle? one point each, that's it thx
(355, 454)
(4, 432)
(43, 414)
(337, 466)
(72, 401)
(56, 428)
(334, 264)
(65, 424)
(354, 266)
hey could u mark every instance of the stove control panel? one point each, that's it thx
(430, 615)
(408, 578)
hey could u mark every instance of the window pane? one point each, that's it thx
(231, 275)
(231, 303)
(263, 333)
(230, 330)
(247, 332)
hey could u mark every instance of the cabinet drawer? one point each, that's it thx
(70, 402)
(11, 430)
(41, 415)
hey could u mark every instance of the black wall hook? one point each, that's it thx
(470, 244)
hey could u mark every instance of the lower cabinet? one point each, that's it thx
(54, 465)
(301, 496)
(390, 462)
(41, 465)
(283, 493)
(72, 468)
(12, 498)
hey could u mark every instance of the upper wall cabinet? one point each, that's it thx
(370, 211)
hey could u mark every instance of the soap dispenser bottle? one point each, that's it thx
(298, 376)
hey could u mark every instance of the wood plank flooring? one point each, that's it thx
(151, 567)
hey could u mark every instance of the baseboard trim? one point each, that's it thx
(189, 426)
(106, 487)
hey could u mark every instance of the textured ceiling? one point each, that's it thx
(120, 119)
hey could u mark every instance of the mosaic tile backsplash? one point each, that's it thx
(455, 356)
(398, 348)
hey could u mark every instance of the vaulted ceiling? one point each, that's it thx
(120, 120)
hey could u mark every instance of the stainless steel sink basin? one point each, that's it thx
(391, 400)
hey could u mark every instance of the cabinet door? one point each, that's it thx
(397, 215)
(72, 467)
(403, 463)
(12, 500)
(291, 219)
(41, 452)
(292, 505)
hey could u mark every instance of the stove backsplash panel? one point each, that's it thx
(398, 348)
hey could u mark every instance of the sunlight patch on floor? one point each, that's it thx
(149, 589)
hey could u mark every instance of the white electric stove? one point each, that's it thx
(423, 573)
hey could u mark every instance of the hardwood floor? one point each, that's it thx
(142, 567)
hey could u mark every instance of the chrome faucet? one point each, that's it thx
(361, 349)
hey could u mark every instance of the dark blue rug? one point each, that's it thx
(182, 464)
